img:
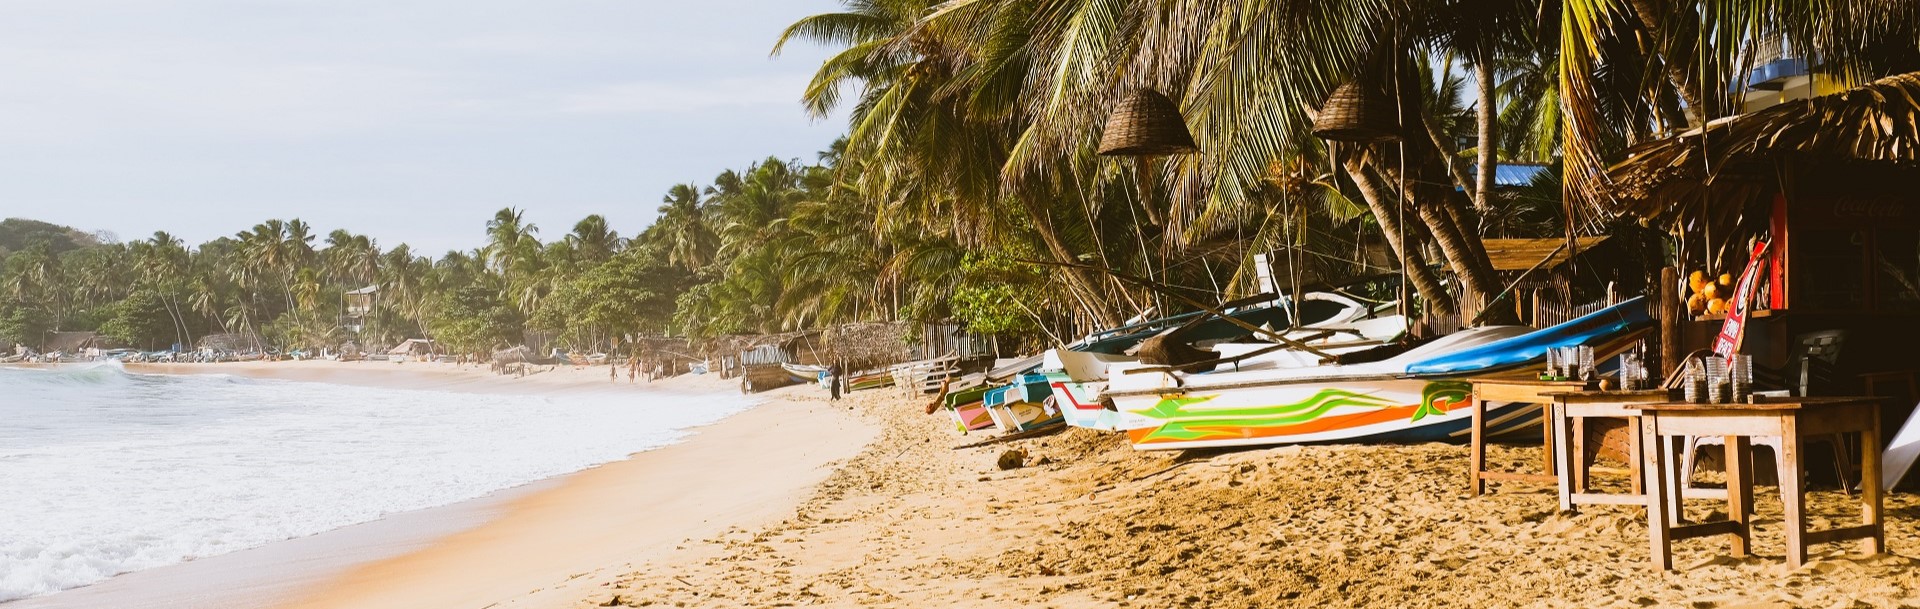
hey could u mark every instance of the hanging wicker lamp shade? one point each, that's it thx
(1357, 113)
(1146, 123)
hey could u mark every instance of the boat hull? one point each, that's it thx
(1388, 410)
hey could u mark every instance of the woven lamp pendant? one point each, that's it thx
(1146, 123)
(1357, 113)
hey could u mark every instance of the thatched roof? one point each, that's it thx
(870, 344)
(1669, 180)
(70, 342)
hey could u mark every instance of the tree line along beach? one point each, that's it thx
(1418, 303)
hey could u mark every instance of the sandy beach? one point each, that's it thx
(530, 546)
(868, 503)
(913, 522)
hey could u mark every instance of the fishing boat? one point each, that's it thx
(1339, 325)
(1269, 312)
(870, 380)
(803, 373)
(967, 408)
(1022, 405)
(1414, 396)
(925, 376)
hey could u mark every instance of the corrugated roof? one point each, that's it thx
(1524, 254)
(1511, 174)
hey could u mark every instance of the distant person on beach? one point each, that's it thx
(633, 370)
(613, 371)
(833, 383)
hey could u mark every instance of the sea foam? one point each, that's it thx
(104, 472)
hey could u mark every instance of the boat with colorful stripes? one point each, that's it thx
(1417, 395)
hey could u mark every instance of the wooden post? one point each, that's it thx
(1672, 310)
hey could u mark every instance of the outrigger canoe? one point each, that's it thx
(1416, 396)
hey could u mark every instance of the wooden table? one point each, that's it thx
(1789, 419)
(1518, 389)
(1568, 424)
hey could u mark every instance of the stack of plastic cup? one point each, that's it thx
(1740, 377)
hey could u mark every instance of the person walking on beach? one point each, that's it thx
(833, 383)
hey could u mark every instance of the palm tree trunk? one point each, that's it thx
(1423, 278)
(1484, 115)
(1077, 278)
(1462, 249)
(1651, 14)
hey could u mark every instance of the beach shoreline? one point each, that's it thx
(868, 502)
(538, 535)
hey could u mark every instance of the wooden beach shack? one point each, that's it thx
(1832, 185)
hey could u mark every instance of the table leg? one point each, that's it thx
(1676, 474)
(1477, 450)
(1658, 531)
(1577, 453)
(1739, 493)
(1557, 419)
(1633, 455)
(1793, 491)
(1546, 410)
(1870, 491)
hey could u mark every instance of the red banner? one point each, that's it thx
(1734, 329)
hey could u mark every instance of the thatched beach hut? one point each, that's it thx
(869, 345)
(1827, 184)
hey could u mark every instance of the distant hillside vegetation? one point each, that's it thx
(18, 233)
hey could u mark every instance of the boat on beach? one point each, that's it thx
(1413, 396)
(1337, 324)
(803, 373)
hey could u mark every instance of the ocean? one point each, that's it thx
(105, 472)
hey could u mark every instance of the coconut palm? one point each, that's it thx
(691, 240)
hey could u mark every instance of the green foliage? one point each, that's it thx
(633, 293)
(23, 322)
(19, 233)
(140, 320)
(474, 319)
(996, 295)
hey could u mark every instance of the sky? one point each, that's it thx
(407, 120)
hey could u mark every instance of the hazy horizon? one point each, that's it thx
(407, 123)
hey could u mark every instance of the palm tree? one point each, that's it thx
(592, 241)
(683, 222)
